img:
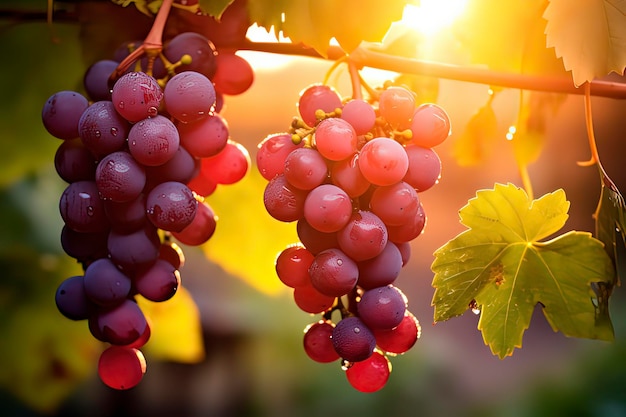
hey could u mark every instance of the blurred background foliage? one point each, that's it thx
(252, 362)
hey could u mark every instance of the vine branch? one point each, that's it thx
(365, 57)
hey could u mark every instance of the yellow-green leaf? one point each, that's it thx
(247, 239)
(501, 267)
(590, 36)
(315, 22)
(175, 328)
(507, 36)
(476, 142)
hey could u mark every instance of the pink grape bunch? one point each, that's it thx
(350, 174)
(139, 160)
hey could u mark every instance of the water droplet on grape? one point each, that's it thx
(114, 131)
(84, 195)
(357, 330)
(339, 262)
(90, 211)
(120, 104)
(97, 133)
(153, 111)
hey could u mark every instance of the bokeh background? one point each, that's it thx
(254, 363)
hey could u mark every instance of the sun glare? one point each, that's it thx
(432, 16)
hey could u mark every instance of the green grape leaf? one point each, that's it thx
(610, 217)
(247, 239)
(507, 36)
(175, 328)
(315, 22)
(500, 267)
(476, 142)
(590, 36)
(214, 7)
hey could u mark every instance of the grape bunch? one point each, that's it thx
(140, 153)
(349, 172)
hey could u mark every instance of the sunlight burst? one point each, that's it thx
(432, 16)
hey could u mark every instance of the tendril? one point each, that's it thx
(595, 158)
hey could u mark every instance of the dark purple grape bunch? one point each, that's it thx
(350, 174)
(139, 161)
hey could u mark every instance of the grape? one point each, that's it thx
(81, 208)
(130, 251)
(96, 79)
(310, 300)
(189, 96)
(105, 284)
(327, 208)
(153, 141)
(360, 114)
(401, 338)
(397, 105)
(171, 206)
(292, 266)
(371, 374)
(182, 167)
(317, 97)
(364, 237)
(136, 96)
(382, 307)
(121, 367)
(333, 273)
(317, 342)
(430, 125)
(61, 113)
(201, 185)
(102, 129)
(198, 47)
(381, 270)
(424, 167)
(314, 240)
(405, 251)
(353, 340)
(172, 253)
(234, 75)
(142, 340)
(71, 300)
(122, 324)
(347, 175)
(335, 139)
(119, 177)
(206, 137)
(305, 168)
(383, 161)
(158, 282)
(229, 166)
(127, 216)
(272, 153)
(410, 230)
(85, 247)
(74, 162)
(395, 204)
(283, 201)
(201, 227)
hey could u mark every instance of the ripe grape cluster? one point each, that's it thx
(350, 173)
(140, 153)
